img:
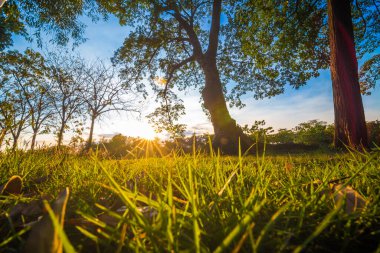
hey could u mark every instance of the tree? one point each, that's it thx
(258, 131)
(27, 72)
(313, 132)
(103, 92)
(171, 39)
(14, 114)
(283, 136)
(350, 125)
(67, 76)
(295, 35)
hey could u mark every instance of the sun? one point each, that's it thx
(149, 134)
(145, 131)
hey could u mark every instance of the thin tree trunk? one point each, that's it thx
(60, 135)
(350, 126)
(15, 144)
(33, 143)
(227, 132)
(89, 141)
(2, 136)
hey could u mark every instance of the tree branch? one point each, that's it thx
(215, 28)
(193, 38)
(174, 68)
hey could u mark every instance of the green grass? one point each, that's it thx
(201, 203)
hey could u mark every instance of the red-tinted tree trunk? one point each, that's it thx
(350, 126)
(227, 132)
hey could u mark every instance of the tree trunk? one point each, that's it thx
(350, 126)
(2, 136)
(33, 140)
(226, 131)
(60, 135)
(89, 141)
(15, 142)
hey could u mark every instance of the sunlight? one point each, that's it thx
(144, 131)
(160, 81)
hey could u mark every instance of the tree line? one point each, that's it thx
(310, 136)
(56, 93)
(228, 49)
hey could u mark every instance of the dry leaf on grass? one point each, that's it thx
(13, 186)
(354, 201)
(43, 237)
(339, 192)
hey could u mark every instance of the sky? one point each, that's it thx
(313, 101)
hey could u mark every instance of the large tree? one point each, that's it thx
(306, 36)
(192, 44)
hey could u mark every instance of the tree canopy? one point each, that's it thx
(293, 35)
(60, 19)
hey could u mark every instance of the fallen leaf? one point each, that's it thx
(43, 237)
(13, 186)
(354, 201)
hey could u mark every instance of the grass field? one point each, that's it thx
(198, 203)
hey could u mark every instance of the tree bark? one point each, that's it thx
(33, 143)
(89, 141)
(2, 136)
(226, 131)
(350, 126)
(60, 135)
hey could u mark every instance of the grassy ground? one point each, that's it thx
(200, 203)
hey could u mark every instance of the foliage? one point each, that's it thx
(24, 90)
(369, 74)
(164, 117)
(373, 128)
(283, 135)
(257, 131)
(292, 37)
(175, 40)
(314, 132)
(34, 18)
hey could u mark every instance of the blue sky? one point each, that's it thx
(313, 101)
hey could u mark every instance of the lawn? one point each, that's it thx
(194, 203)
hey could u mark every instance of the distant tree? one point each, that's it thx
(314, 132)
(373, 128)
(14, 114)
(104, 92)
(293, 37)
(116, 147)
(27, 72)
(284, 136)
(6, 116)
(67, 75)
(257, 131)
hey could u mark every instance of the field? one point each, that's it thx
(195, 203)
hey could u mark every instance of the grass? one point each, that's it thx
(199, 203)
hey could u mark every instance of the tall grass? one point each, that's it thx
(202, 203)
